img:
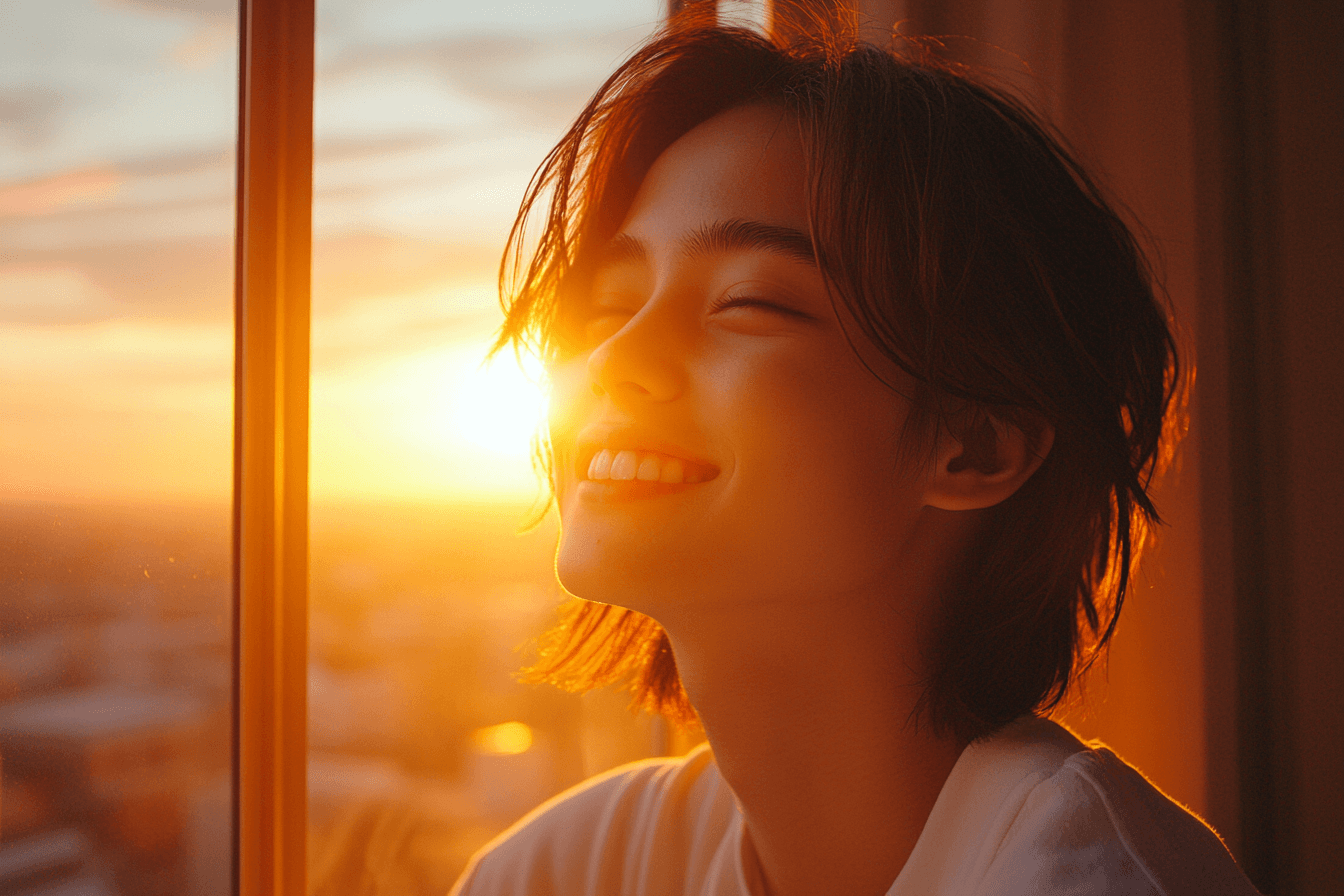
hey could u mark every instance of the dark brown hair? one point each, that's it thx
(976, 254)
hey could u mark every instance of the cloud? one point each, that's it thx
(359, 149)
(220, 156)
(94, 187)
(214, 37)
(50, 294)
(390, 331)
(544, 78)
(45, 195)
(30, 115)
(207, 8)
(183, 160)
(148, 197)
(192, 280)
(103, 196)
(368, 266)
(184, 280)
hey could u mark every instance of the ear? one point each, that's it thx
(986, 463)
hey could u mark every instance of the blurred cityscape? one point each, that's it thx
(114, 700)
(115, 679)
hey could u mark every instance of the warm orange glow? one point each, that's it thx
(507, 739)
(87, 400)
(497, 406)
(426, 423)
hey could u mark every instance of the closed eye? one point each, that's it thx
(729, 302)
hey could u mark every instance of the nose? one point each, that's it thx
(642, 362)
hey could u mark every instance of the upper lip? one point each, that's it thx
(624, 437)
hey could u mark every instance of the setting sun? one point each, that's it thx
(439, 423)
(497, 406)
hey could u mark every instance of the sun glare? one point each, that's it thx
(507, 739)
(498, 406)
(429, 425)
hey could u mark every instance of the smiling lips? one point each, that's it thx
(646, 466)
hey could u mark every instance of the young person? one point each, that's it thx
(858, 389)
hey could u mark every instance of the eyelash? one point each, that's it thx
(741, 301)
(722, 303)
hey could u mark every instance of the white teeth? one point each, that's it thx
(624, 466)
(648, 469)
(673, 471)
(645, 466)
(600, 467)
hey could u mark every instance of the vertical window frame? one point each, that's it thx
(270, 492)
(272, 289)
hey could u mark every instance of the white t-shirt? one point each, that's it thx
(1030, 811)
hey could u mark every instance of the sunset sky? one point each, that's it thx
(117, 125)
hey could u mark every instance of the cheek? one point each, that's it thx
(828, 422)
(570, 404)
(819, 490)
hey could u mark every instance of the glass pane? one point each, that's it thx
(430, 119)
(116, 265)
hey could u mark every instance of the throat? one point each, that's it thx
(834, 782)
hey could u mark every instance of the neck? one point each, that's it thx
(811, 718)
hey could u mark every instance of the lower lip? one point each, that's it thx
(631, 489)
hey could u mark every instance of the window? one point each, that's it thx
(117, 128)
(117, 213)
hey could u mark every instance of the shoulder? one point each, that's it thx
(1092, 824)
(1033, 810)
(605, 834)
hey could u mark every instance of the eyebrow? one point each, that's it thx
(720, 237)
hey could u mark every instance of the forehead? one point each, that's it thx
(744, 164)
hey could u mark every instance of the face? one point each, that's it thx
(717, 440)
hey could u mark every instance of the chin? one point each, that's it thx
(598, 578)
(587, 570)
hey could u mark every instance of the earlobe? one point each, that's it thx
(987, 464)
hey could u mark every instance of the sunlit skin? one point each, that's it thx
(796, 581)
